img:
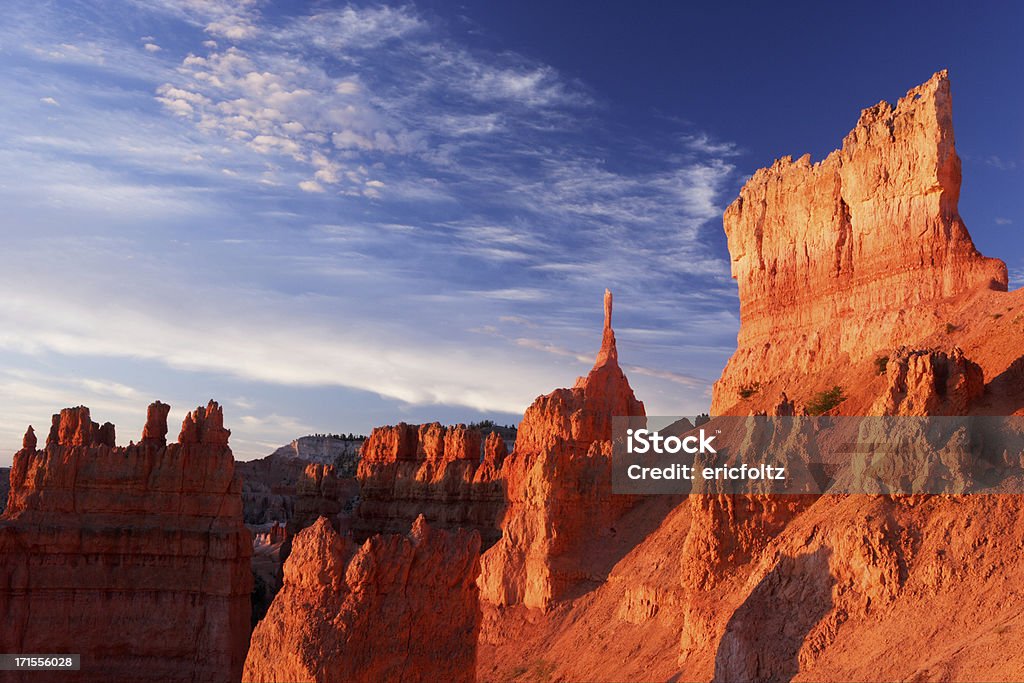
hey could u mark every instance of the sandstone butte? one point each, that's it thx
(135, 557)
(859, 257)
(395, 608)
(437, 471)
(844, 261)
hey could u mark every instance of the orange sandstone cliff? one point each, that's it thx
(856, 271)
(842, 261)
(135, 557)
(396, 608)
(558, 485)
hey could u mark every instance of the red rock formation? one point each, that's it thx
(558, 483)
(134, 557)
(835, 587)
(290, 493)
(288, 489)
(276, 534)
(155, 431)
(840, 260)
(395, 608)
(430, 470)
(930, 383)
(320, 492)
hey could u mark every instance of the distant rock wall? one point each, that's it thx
(841, 260)
(395, 608)
(450, 475)
(325, 450)
(291, 490)
(135, 557)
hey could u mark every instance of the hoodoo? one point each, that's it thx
(396, 608)
(136, 558)
(558, 483)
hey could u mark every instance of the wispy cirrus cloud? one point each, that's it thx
(342, 199)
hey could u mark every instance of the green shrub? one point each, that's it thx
(824, 401)
(881, 364)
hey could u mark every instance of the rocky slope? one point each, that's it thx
(394, 609)
(558, 486)
(857, 587)
(450, 475)
(136, 557)
(842, 261)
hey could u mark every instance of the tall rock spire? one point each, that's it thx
(558, 485)
(608, 351)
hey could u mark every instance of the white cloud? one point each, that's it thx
(230, 19)
(343, 30)
(1016, 276)
(50, 101)
(507, 199)
(152, 47)
(1001, 164)
(236, 340)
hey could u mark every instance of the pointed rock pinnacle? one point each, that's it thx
(608, 351)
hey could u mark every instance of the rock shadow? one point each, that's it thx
(1005, 392)
(762, 640)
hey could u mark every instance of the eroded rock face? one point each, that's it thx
(321, 493)
(833, 587)
(840, 260)
(450, 475)
(558, 483)
(293, 491)
(134, 557)
(930, 383)
(341, 452)
(281, 495)
(395, 608)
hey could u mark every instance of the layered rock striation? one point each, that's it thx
(558, 484)
(843, 259)
(135, 557)
(450, 475)
(395, 608)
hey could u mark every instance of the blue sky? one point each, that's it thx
(332, 216)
